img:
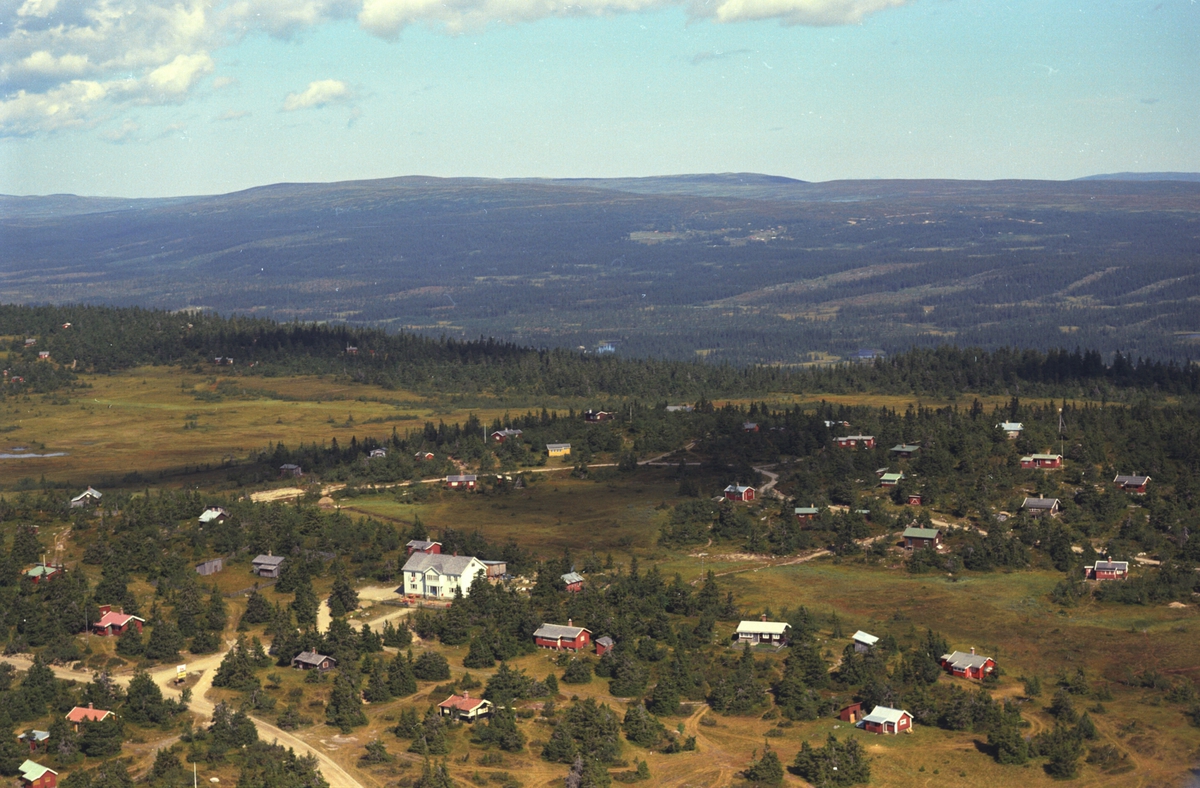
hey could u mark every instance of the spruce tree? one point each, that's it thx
(345, 703)
(401, 680)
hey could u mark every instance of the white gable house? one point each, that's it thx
(438, 576)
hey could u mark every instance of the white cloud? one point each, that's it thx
(176, 77)
(233, 114)
(73, 63)
(123, 134)
(223, 82)
(317, 94)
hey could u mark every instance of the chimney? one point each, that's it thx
(972, 649)
(90, 706)
(570, 623)
(763, 617)
(466, 694)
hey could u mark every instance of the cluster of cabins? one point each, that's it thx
(31, 774)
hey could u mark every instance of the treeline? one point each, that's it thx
(104, 339)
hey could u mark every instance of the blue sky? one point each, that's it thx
(170, 97)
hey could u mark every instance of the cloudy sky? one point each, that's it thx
(170, 97)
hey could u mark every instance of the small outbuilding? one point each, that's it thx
(573, 581)
(376, 453)
(423, 456)
(39, 572)
(210, 567)
(37, 739)
(604, 645)
(863, 642)
(886, 720)
(290, 469)
(804, 513)
(495, 568)
(558, 449)
(890, 479)
(852, 713)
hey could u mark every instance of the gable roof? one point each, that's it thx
(738, 488)
(894, 478)
(1040, 503)
(1131, 481)
(470, 477)
(1011, 426)
(463, 703)
(572, 577)
(37, 735)
(440, 563)
(213, 513)
(1045, 456)
(114, 619)
(902, 447)
(605, 641)
(311, 658)
(913, 532)
(1111, 566)
(420, 544)
(762, 627)
(557, 446)
(963, 660)
(87, 713)
(864, 638)
(31, 771)
(559, 632)
(807, 510)
(41, 570)
(268, 560)
(882, 714)
(88, 493)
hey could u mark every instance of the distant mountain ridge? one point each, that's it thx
(1144, 176)
(734, 267)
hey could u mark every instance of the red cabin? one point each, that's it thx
(739, 492)
(856, 441)
(968, 666)
(604, 645)
(421, 546)
(914, 499)
(885, 720)
(1042, 461)
(556, 636)
(573, 582)
(466, 482)
(116, 623)
(1132, 484)
(1107, 570)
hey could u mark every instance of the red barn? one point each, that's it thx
(885, 720)
(116, 623)
(739, 492)
(968, 666)
(557, 636)
(1132, 484)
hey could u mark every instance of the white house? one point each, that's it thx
(435, 575)
(763, 631)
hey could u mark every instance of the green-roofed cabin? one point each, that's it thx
(890, 479)
(921, 538)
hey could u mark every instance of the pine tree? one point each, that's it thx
(258, 610)
(377, 686)
(165, 642)
(480, 654)
(345, 703)
(402, 682)
(767, 770)
(342, 597)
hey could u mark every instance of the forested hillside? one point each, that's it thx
(104, 339)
